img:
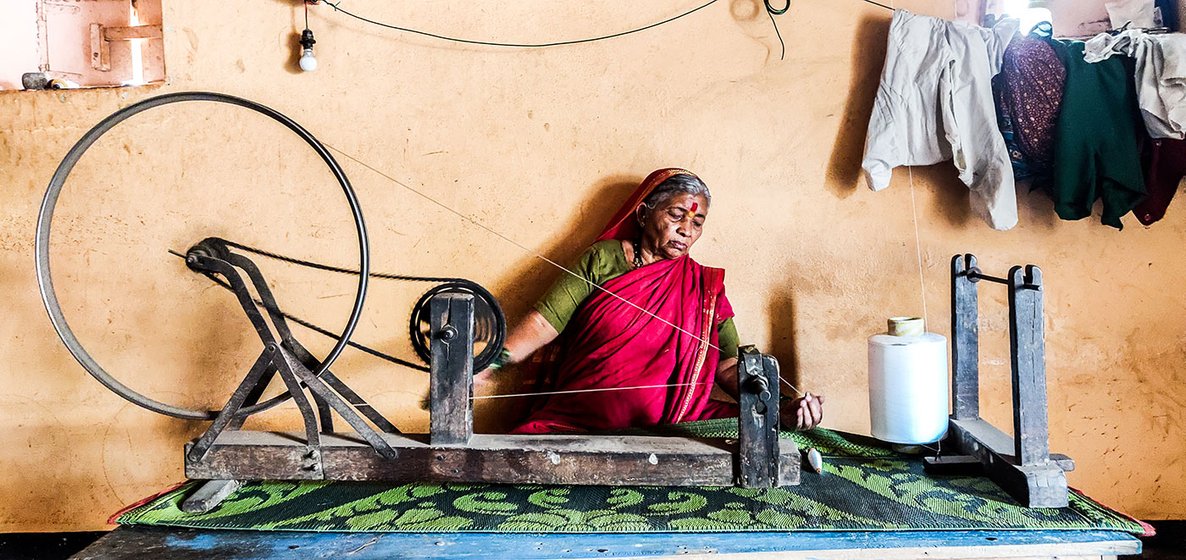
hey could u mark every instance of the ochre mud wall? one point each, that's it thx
(542, 146)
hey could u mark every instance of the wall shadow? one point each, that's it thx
(781, 310)
(949, 195)
(868, 57)
(594, 212)
(570, 237)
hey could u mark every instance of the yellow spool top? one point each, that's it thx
(906, 326)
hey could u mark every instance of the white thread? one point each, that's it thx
(536, 254)
(575, 391)
(523, 247)
(922, 286)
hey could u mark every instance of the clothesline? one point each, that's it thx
(1060, 113)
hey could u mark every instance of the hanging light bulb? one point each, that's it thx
(308, 61)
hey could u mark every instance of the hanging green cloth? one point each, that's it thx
(1096, 153)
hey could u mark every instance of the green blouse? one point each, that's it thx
(600, 263)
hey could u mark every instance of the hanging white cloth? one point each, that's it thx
(1105, 45)
(1160, 74)
(1161, 84)
(935, 104)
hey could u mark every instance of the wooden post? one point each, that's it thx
(1027, 334)
(965, 340)
(757, 443)
(451, 387)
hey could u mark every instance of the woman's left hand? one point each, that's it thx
(803, 413)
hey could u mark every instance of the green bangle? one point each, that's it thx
(503, 358)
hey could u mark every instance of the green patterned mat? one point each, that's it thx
(865, 487)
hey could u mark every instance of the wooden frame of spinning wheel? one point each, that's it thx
(451, 452)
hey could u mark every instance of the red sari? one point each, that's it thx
(651, 332)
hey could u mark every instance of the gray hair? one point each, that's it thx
(677, 184)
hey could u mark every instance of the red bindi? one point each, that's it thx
(695, 205)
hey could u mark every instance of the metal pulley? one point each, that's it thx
(489, 322)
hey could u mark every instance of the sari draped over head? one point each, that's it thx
(641, 351)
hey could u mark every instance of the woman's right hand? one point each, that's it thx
(803, 413)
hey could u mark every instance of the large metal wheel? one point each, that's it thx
(45, 222)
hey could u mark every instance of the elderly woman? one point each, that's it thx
(639, 333)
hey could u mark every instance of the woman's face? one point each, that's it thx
(674, 225)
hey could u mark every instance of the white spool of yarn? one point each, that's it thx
(908, 401)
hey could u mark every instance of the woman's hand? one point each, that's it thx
(803, 413)
(531, 334)
(799, 414)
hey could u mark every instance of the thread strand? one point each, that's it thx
(579, 391)
(534, 253)
(922, 285)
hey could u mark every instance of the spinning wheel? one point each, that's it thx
(490, 323)
(45, 224)
(457, 328)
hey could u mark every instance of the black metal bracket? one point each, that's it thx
(1022, 465)
(288, 358)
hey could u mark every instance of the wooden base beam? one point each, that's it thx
(1040, 485)
(511, 459)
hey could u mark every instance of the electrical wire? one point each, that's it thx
(771, 11)
(337, 8)
(776, 11)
